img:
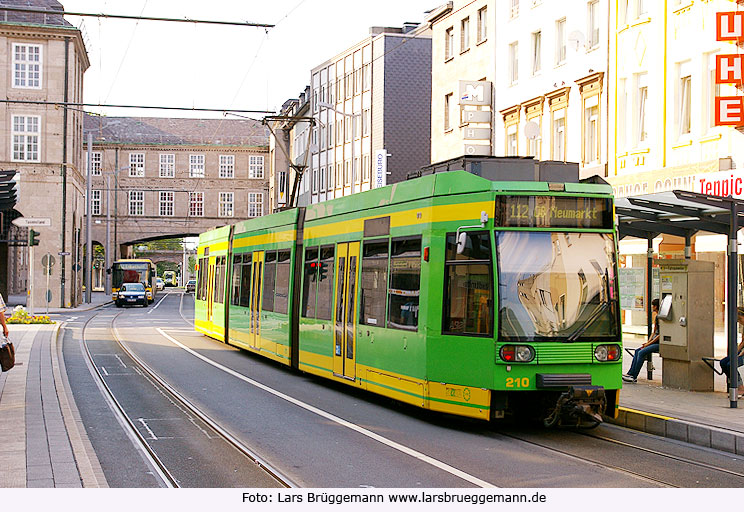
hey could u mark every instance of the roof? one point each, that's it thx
(33, 18)
(679, 213)
(176, 131)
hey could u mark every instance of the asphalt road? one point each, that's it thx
(323, 434)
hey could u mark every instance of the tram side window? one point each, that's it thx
(468, 286)
(310, 282)
(219, 280)
(281, 296)
(203, 265)
(374, 283)
(267, 299)
(325, 282)
(237, 264)
(405, 280)
(245, 281)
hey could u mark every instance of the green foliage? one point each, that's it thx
(170, 244)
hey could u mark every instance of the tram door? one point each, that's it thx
(345, 314)
(256, 287)
(211, 265)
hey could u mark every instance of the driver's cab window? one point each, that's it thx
(468, 286)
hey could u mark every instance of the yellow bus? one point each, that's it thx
(134, 271)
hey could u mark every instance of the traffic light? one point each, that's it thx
(33, 237)
(323, 271)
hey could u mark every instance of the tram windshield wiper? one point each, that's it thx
(592, 319)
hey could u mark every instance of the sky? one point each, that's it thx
(214, 66)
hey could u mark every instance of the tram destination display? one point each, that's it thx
(553, 212)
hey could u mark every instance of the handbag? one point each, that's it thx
(7, 355)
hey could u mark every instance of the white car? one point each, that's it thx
(159, 283)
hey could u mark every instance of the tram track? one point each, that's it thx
(168, 479)
(630, 446)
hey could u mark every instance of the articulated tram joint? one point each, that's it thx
(580, 406)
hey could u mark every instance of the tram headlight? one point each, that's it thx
(517, 353)
(605, 353)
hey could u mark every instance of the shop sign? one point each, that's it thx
(729, 69)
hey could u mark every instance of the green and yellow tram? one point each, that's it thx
(134, 271)
(450, 292)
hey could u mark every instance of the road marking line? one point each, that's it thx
(103, 368)
(159, 303)
(144, 424)
(117, 356)
(361, 430)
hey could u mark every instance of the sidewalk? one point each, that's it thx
(97, 299)
(44, 440)
(705, 419)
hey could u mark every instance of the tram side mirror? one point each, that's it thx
(461, 241)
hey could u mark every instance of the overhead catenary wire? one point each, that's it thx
(131, 17)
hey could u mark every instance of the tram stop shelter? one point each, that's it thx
(682, 213)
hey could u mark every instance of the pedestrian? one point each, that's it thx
(726, 366)
(3, 307)
(651, 346)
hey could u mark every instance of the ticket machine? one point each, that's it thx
(686, 323)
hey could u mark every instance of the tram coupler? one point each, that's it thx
(580, 406)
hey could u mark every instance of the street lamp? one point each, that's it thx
(327, 105)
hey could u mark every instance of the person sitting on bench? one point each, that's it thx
(651, 346)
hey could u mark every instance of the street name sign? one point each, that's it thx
(27, 222)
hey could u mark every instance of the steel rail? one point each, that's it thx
(666, 455)
(160, 468)
(590, 460)
(224, 433)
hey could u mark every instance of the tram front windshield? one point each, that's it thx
(556, 286)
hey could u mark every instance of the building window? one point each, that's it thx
(514, 8)
(511, 140)
(449, 43)
(136, 165)
(482, 25)
(641, 99)
(95, 163)
(347, 174)
(465, 35)
(714, 90)
(367, 76)
(533, 143)
(166, 204)
(26, 135)
(447, 107)
(95, 202)
(536, 51)
(641, 8)
(560, 41)
(591, 130)
(196, 204)
(196, 166)
(167, 165)
(622, 13)
(366, 168)
(559, 135)
(315, 181)
(227, 166)
(255, 204)
(622, 114)
(226, 204)
(366, 121)
(27, 66)
(322, 179)
(685, 98)
(329, 172)
(136, 202)
(513, 63)
(593, 18)
(256, 167)
(357, 81)
(348, 86)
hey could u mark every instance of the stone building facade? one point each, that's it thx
(42, 62)
(156, 178)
